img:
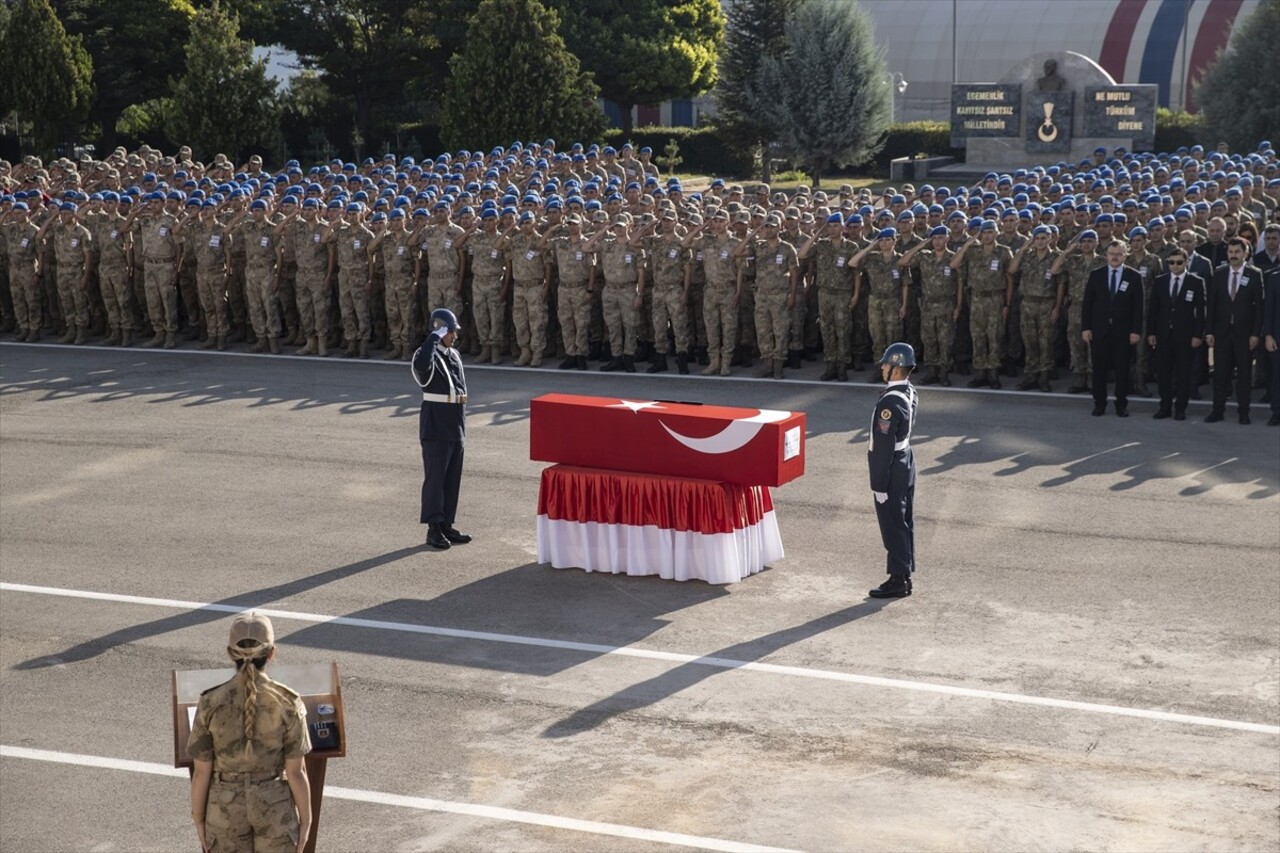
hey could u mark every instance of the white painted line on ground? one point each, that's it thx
(420, 803)
(670, 657)
(336, 358)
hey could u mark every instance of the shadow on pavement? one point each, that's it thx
(257, 598)
(528, 602)
(686, 675)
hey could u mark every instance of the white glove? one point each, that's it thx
(440, 333)
(881, 497)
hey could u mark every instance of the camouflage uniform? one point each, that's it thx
(937, 305)
(833, 278)
(112, 242)
(1039, 290)
(718, 308)
(1078, 268)
(986, 275)
(773, 284)
(573, 305)
(209, 248)
(529, 302)
(399, 259)
(70, 242)
(619, 262)
(667, 280)
(1149, 266)
(884, 298)
(260, 276)
(311, 253)
(250, 805)
(23, 251)
(353, 278)
(159, 254)
(443, 266)
(488, 266)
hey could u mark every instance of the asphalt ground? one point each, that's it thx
(1091, 659)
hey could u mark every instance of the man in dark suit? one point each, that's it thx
(1197, 264)
(1175, 318)
(1271, 332)
(1234, 323)
(442, 428)
(1111, 324)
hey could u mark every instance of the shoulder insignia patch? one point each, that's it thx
(886, 414)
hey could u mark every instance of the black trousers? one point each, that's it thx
(441, 480)
(1111, 352)
(1173, 373)
(1273, 362)
(1231, 353)
(897, 530)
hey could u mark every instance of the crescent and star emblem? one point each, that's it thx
(733, 437)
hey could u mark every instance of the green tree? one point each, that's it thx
(382, 60)
(1240, 93)
(224, 102)
(645, 51)
(48, 75)
(754, 29)
(828, 100)
(136, 47)
(515, 79)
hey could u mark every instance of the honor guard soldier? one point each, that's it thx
(437, 367)
(893, 468)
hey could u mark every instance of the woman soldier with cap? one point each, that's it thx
(250, 789)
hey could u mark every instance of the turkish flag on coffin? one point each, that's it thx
(753, 447)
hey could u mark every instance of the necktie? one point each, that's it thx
(1235, 284)
(1115, 275)
(1177, 285)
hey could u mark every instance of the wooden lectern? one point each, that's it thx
(318, 685)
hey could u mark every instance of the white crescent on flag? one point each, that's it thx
(733, 437)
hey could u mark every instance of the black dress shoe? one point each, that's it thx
(976, 382)
(1122, 412)
(1162, 414)
(1099, 411)
(1213, 418)
(436, 538)
(1274, 420)
(455, 538)
(1244, 418)
(1179, 416)
(895, 587)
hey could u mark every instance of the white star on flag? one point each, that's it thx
(634, 405)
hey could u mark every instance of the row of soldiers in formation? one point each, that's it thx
(713, 278)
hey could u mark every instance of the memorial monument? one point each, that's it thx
(1049, 107)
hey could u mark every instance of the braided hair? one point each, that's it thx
(250, 657)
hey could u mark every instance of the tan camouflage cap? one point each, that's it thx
(251, 626)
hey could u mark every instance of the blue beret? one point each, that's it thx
(853, 219)
(987, 225)
(353, 207)
(527, 216)
(489, 213)
(1088, 234)
(379, 217)
(110, 196)
(311, 202)
(258, 204)
(955, 214)
(1041, 229)
(939, 231)
(68, 207)
(20, 205)
(1103, 217)
(887, 234)
(835, 218)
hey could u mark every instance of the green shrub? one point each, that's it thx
(701, 148)
(1174, 130)
(910, 139)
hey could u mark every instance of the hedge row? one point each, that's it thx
(701, 149)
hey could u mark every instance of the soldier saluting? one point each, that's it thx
(437, 368)
(893, 468)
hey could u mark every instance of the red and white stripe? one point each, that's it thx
(637, 524)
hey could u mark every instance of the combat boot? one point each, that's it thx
(612, 365)
(582, 362)
(394, 355)
(944, 378)
(353, 346)
(22, 335)
(536, 359)
(931, 378)
(362, 349)
(1082, 385)
(273, 344)
(724, 368)
(322, 349)
(485, 353)
(896, 586)
(659, 364)
(1044, 382)
(703, 357)
(682, 364)
(170, 340)
(222, 342)
(593, 351)
(842, 372)
(259, 346)
(713, 368)
(569, 363)
(1029, 382)
(993, 376)
(156, 341)
(979, 379)
(495, 357)
(33, 335)
(406, 354)
(114, 340)
(210, 343)
(126, 337)
(310, 348)
(525, 357)
(82, 335)
(778, 364)
(793, 359)
(765, 371)
(629, 363)
(829, 373)
(70, 335)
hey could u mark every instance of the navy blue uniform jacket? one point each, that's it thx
(438, 371)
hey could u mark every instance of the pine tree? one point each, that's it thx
(827, 98)
(48, 75)
(755, 29)
(1240, 93)
(224, 103)
(515, 79)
